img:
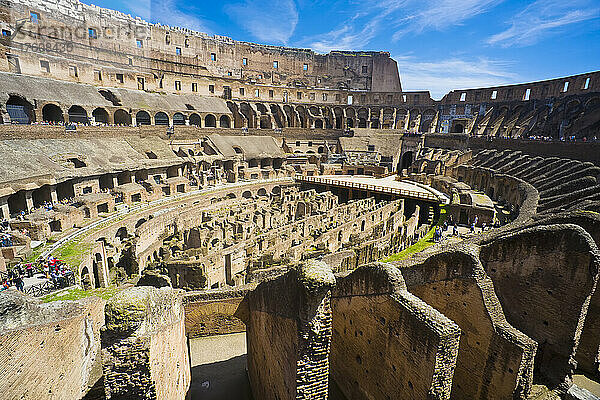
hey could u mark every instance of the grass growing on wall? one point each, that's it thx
(76, 293)
(72, 253)
(422, 244)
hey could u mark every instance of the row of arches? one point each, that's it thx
(21, 111)
(271, 116)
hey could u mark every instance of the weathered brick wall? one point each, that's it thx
(387, 342)
(544, 278)
(145, 333)
(495, 361)
(289, 334)
(215, 312)
(49, 351)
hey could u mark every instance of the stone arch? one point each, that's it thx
(302, 117)
(290, 115)
(262, 192)
(592, 103)
(224, 121)
(78, 114)
(247, 194)
(407, 160)
(458, 128)
(142, 118)
(20, 110)
(122, 233)
(100, 115)
(52, 113)
(122, 117)
(161, 118)
(248, 113)
(276, 190)
(210, 121)
(86, 280)
(195, 120)
(178, 119)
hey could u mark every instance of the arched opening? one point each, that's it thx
(224, 121)
(247, 194)
(100, 115)
(85, 279)
(375, 124)
(78, 115)
(350, 122)
(122, 233)
(362, 123)
(142, 118)
(140, 222)
(407, 159)
(262, 192)
(458, 128)
(161, 118)
(178, 119)
(319, 124)
(276, 190)
(122, 117)
(231, 196)
(210, 121)
(20, 110)
(195, 120)
(51, 113)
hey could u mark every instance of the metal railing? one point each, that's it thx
(46, 287)
(365, 186)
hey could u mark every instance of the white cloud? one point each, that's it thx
(543, 18)
(166, 12)
(270, 21)
(440, 77)
(397, 18)
(439, 14)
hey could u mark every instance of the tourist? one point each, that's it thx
(29, 269)
(455, 230)
(19, 283)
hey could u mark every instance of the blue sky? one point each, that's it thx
(439, 45)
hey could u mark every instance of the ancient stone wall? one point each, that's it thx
(49, 350)
(495, 360)
(534, 274)
(386, 340)
(289, 334)
(145, 332)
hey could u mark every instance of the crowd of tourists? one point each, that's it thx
(51, 268)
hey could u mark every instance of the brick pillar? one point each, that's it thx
(289, 334)
(145, 332)
(5, 211)
(53, 194)
(29, 200)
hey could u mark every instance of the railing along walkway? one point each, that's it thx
(368, 187)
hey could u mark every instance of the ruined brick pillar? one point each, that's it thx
(144, 348)
(289, 334)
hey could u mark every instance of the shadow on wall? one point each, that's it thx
(221, 380)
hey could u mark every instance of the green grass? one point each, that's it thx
(75, 293)
(422, 244)
(72, 253)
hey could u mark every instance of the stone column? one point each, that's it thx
(53, 194)
(115, 181)
(29, 200)
(4, 207)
